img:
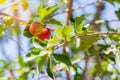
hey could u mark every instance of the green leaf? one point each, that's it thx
(117, 59)
(34, 51)
(45, 12)
(15, 30)
(78, 24)
(24, 5)
(49, 69)
(2, 1)
(87, 42)
(14, 7)
(66, 32)
(118, 13)
(53, 21)
(104, 66)
(117, 1)
(113, 2)
(5, 64)
(92, 70)
(59, 31)
(21, 61)
(42, 60)
(27, 59)
(54, 40)
(26, 32)
(2, 29)
(78, 20)
(38, 43)
(115, 37)
(23, 76)
(63, 58)
(77, 76)
(79, 28)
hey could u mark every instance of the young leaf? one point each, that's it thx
(104, 66)
(2, 30)
(38, 43)
(14, 7)
(79, 28)
(66, 32)
(78, 20)
(49, 69)
(54, 40)
(45, 12)
(63, 58)
(78, 24)
(59, 31)
(23, 76)
(16, 30)
(51, 10)
(24, 5)
(2, 1)
(53, 21)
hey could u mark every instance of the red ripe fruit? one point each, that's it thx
(35, 28)
(45, 34)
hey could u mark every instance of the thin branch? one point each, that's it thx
(69, 6)
(62, 66)
(14, 17)
(15, 12)
(97, 15)
(15, 42)
(69, 11)
(104, 21)
(10, 74)
(113, 64)
(3, 50)
(89, 34)
(10, 5)
(81, 7)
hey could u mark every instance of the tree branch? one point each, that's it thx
(68, 16)
(15, 42)
(97, 15)
(10, 74)
(89, 34)
(62, 66)
(14, 17)
(10, 5)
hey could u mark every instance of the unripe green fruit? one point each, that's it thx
(35, 28)
(8, 20)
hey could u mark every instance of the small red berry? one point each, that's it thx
(45, 34)
(35, 28)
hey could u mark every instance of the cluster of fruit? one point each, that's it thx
(36, 29)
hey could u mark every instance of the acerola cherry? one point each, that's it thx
(35, 28)
(45, 34)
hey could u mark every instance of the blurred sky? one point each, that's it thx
(10, 46)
